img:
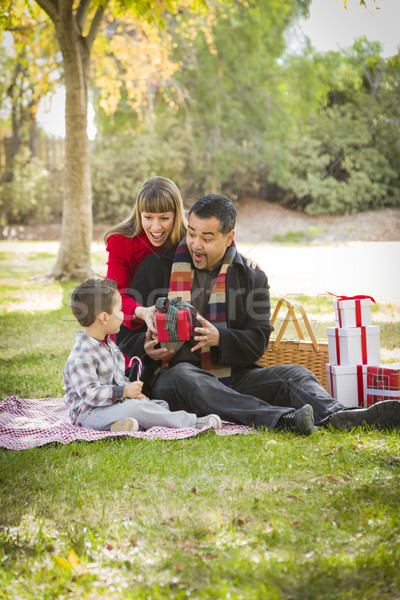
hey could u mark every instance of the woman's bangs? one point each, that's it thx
(156, 204)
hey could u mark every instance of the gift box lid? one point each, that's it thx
(364, 303)
(344, 369)
(389, 367)
(353, 331)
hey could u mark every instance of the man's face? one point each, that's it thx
(206, 244)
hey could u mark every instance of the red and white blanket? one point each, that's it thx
(34, 422)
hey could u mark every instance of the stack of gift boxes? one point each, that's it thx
(355, 375)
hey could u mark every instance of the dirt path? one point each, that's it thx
(259, 221)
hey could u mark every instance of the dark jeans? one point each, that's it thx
(259, 397)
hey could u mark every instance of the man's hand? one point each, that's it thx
(207, 334)
(150, 341)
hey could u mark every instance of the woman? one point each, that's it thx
(157, 222)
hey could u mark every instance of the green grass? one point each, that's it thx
(262, 516)
(299, 236)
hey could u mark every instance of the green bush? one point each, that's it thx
(33, 195)
(335, 167)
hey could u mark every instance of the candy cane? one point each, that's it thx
(140, 366)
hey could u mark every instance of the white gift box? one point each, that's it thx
(354, 346)
(352, 313)
(348, 384)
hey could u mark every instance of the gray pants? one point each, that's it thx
(148, 413)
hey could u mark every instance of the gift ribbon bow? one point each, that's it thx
(171, 306)
(359, 297)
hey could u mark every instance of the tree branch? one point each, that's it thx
(50, 7)
(81, 14)
(94, 27)
(373, 82)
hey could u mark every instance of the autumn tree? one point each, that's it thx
(28, 69)
(76, 26)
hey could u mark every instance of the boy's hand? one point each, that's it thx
(133, 390)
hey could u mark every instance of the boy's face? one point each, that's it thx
(114, 320)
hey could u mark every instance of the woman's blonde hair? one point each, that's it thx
(157, 195)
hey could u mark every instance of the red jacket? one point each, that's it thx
(124, 257)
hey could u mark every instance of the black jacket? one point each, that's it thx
(247, 309)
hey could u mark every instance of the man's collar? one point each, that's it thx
(239, 260)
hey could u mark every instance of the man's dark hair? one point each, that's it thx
(215, 205)
(91, 297)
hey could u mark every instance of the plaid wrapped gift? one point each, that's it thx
(174, 319)
(383, 383)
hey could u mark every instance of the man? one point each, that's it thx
(215, 371)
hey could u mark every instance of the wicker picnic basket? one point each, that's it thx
(311, 353)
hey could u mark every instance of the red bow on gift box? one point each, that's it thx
(359, 297)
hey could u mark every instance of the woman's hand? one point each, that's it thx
(207, 334)
(148, 316)
(250, 262)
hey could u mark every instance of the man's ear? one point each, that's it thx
(229, 238)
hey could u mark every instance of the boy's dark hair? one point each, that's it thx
(91, 297)
(215, 205)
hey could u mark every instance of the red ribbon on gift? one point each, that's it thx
(337, 345)
(364, 345)
(360, 385)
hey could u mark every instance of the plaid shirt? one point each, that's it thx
(94, 374)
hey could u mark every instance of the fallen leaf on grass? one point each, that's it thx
(74, 564)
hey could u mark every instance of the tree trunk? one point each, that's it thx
(73, 260)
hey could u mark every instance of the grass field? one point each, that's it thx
(263, 516)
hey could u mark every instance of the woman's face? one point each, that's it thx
(158, 226)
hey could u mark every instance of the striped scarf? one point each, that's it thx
(180, 284)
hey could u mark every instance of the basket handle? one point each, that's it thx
(291, 316)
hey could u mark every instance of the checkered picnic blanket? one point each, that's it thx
(26, 423)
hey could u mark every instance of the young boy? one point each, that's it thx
(97, 392)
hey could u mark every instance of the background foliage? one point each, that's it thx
(215, 101)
